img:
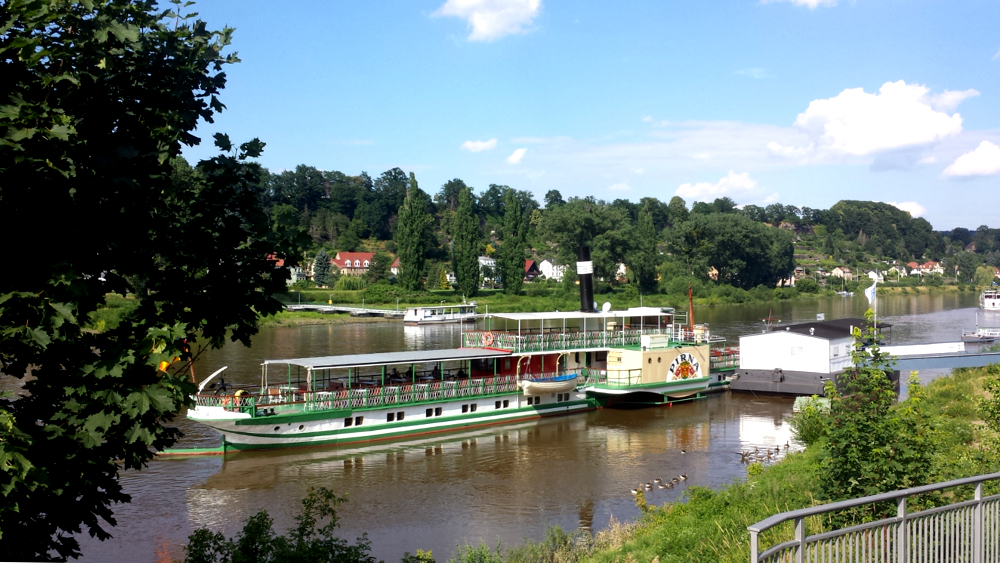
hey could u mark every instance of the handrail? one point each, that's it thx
(851, 503)
(899, 534)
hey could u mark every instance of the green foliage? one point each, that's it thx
(350, 283)
(379, 268)
(96, 101)
(985, 275)
(383, 293)
(443, 279)
(807, 285)
(873, 444)
(643, 258)
(989, 406)
(465, 245)
(413, 220)
(811, 423)
(349, 241)
(511, 260)
(745, 253)
(755, 470)
(321, 269)
(421, 557)
(312, 540)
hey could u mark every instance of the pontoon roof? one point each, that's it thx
(556, 315)
(390, 358)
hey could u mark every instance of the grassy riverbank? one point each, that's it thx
(708, 525)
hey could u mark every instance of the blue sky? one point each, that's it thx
(802, 102)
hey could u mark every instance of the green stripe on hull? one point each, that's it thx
(416, 428)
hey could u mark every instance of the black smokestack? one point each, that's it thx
(585, 273)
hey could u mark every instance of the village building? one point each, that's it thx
(551, 270)
(842, 272)
(531, 270)
(357, 263)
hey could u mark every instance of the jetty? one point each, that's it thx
(351, 310)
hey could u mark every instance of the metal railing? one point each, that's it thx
(964, 531)
(580, 340)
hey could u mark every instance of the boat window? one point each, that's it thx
(437, 411)
(348, 422)
(465, 408)
(836, 351)
(276, 428)
(498, 404)
(400, 415)
(430, 413)
(506, 404)
(302, 427)
(390, 416)
(473, 407)
(359, 420)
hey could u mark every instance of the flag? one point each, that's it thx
(870, 293)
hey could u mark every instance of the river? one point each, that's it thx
(502, 483)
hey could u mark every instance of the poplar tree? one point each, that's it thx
(511, 262)
(410, 225)
(465, 245)
(643, 258)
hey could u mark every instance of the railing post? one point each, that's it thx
(753, 547)
(977, 526)
(800, 537)
(902, 542)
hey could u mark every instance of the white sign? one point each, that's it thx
(685, 366)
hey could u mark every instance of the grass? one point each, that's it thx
(300, 318)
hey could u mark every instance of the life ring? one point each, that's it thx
(488, 339)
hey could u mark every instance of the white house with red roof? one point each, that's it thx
(357, 263)
(931, 267)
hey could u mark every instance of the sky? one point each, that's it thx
(801, 102)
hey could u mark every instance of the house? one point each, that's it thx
(531, 270)
(551, 270)
(931, 267)
(357, 263)
(800, 272)
(842, 272)
(296, 273)
(488, 270)
(876, 276)
(795, 359)
(896, 271)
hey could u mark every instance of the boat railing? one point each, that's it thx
(366, 397)
(549, 375)
(723, 358)
(611, 378)
(551, 341)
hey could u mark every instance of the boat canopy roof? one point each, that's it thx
(390, 358)
(558, 315)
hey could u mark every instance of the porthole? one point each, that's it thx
(659, 359)
(302, 427)
(649, 361)
(276, 428)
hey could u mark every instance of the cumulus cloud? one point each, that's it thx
(813, 4)
(516, 156)
(984, 161)
(620, 187)
(479, 146)
(913, 208)
(856, 123)
(731, 184)
(490, 20)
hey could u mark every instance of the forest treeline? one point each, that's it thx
(660, 243)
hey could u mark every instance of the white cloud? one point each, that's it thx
(492, 19)
(639, 171)
(648, 119)
(855, 123)
(913, 208)
(479, 146)
(813, 4)
(984, 161)
(753, 72)
(729, 185)
(927, 160)
(620, 187)
(516, 156)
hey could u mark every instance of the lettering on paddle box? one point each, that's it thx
(685, 366)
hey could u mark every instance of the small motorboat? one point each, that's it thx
(558, 384)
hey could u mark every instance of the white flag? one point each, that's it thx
(870, 293)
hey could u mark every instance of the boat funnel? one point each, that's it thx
(585, 273)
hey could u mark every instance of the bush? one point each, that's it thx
(811, 423)
(383, 293)
(807, 285)
(350, 283)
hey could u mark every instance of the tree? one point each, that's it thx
(98, 99)
(447, 198)
(413, 220)
(511, 262)
(378, 268)
(807, 285)
(678, 210)
(967, 263)
(310, 541)
(443, 279)
(553, 199)
(985, 276)
(874, 445)
(321, 269)
(465, 245)
(643, 259)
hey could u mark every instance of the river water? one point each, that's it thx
(502, 483)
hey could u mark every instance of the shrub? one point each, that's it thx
(811, 423)
(350, 283)
(807, 285)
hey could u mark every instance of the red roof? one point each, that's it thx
(347, 259)
(278, 262)
(929, 264)
(528, 264)
(912, 265)
(395, 263)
